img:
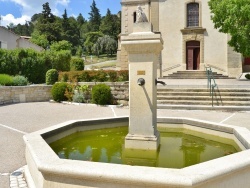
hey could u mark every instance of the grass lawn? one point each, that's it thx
(101, 58)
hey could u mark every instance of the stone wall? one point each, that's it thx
(41, 93)
(16, 94)
(119, 90)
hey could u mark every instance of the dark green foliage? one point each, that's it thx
(123, 75)
(112, 76)
(26, 62)
(61, 45)
(85, 77)
(65, 77)
(6, 80)
(94, 76)
(76, 64)
(58, 91)
(111, 25)
(101, 94)
(51, 76)
(20, 81)
(48, 25)
(232, 17)
(247, 76)
(95, 18)
(91, 39)
(101, 76)
(60, 60)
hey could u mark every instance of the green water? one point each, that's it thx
(177, 149)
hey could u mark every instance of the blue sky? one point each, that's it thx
(18, 11)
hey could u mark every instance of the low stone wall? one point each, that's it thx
(119, 90)
(41, 93)
(17, 94)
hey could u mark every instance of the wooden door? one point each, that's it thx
(193, 55)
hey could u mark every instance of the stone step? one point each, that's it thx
(209, 103)
(200, 90)
(193, 75)
(228, 94)
(203, 98)
(172, 93)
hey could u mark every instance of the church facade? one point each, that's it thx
(190, 40)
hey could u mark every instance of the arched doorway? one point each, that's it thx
(193, 55)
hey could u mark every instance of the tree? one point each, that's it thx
(39, 39)
(91, 39)
(95, 18)
(108, 44)
(70, 31)
(48, 25)
(61, 45)
(80, 20)
(233, 17)
(107, 24)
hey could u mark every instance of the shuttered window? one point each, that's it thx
(193, 15)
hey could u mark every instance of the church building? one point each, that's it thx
(190, 40)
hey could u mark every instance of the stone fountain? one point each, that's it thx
(46, 170)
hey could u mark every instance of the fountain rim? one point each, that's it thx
(48, 162)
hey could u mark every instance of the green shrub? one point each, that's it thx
(51, 76)
(101, 76)
(101, 94)
(65, 77)
(98, 76)
(76, 64)
(85, 77)
(78, 97)
(247, 76)
(20, 81)
(123, 75)
(58, 91)
(6, 80)
(112, 76)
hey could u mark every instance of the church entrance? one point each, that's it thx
(193, 55)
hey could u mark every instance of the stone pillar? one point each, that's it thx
(143, 48)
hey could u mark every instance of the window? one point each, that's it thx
(134, 16)
(193, 15)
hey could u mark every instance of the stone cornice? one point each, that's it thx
(197, 30)
(137, 2)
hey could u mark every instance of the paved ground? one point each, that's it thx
(19, 119)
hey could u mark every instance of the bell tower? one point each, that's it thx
(151, 10)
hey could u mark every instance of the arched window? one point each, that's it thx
(134, 16)
(193, 15)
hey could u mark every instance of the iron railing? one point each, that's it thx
(211, 85)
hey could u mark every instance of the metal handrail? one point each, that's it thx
(210, 85)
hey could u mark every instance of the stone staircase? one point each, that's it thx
(193, 74)
(201, 96)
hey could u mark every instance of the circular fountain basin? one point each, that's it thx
(46, 169)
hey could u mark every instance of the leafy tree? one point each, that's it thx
(91, 39)
(233, 17)
(39, 39)
(70, 31)
(108, 44)
(95, 18)
(80, 20)
(48, 24)
(61, 45)
(110, 25)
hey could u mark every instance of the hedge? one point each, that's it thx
(32, 64)
(94, 76)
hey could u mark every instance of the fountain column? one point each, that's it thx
(143, 47)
